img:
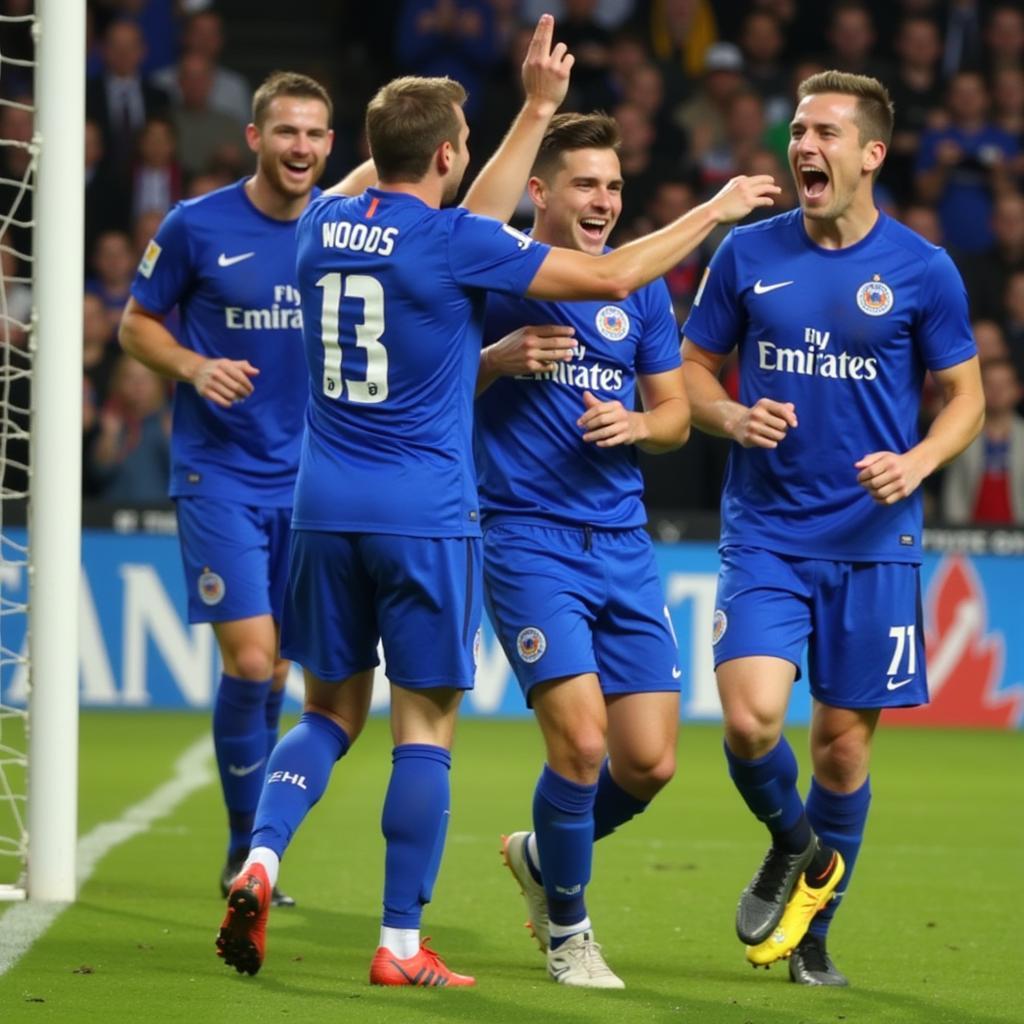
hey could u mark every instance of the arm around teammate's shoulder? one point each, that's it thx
(568, 274)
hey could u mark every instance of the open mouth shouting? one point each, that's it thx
(814, 182)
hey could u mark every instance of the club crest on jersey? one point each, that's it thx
(531, 644)
(719, 624)
(612, 323)
(875, 297)
(149, 258)
(211, 587)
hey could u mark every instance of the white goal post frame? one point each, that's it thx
(55, 489)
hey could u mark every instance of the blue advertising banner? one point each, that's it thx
(137, 649)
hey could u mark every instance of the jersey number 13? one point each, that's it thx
(368, 333)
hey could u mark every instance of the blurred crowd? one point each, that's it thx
(701, 90)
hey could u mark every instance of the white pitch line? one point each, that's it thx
(24, 923)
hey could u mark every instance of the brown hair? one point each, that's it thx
(874, 113)
(406, 122)
(287, 83)
(568, 132)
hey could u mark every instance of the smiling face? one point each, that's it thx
(579, 205)
(292, 144)
(831, 166)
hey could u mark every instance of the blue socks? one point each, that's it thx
(613, 806)
(296, 778)
(240, 742)
(563, 823)
(414, 823)
(838, 819)
(272, 710)
(768, 785)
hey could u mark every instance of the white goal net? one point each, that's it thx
(18, 152)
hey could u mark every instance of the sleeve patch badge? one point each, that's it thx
(149, 258)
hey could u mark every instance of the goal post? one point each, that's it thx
(55, 489)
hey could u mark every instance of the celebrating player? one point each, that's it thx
(837, 311)
(227, 260)
(385, 540)
(569, 573)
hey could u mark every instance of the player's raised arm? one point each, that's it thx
(143, 335)
(762, 425)
(569, 274)
(892, 476)
(545, 80)
(356, 182)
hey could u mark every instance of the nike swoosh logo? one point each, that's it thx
(248, 770)
(763, 289)
(890, 685)
(676, 673)
(223, 260)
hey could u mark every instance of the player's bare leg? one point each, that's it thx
(297, 776)
(642, 732)
(415, 823)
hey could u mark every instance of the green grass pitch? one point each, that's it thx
(927, 933)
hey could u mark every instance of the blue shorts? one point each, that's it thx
(419, 595)
(860, 621)
(568, 601)
(235, 558)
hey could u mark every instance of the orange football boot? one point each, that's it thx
(426, 968)
(242, 940)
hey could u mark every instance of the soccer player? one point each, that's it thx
(837, 312)
(570, 580)
(227, 260)
(386, 528)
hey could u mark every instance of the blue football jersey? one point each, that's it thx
(846, 336)
(231, 271)
(531, 458)
(394, 295)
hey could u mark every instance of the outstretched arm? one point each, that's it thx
(569, 274)
(355, 182)
(545, 80)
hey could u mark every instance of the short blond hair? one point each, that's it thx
(407, 120)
